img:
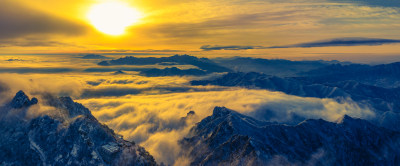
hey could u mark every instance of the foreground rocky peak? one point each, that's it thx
(230, 138)
(70, 135)
(221, 111)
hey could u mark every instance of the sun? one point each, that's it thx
(113, 17)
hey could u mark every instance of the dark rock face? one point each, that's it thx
(72, 136)
(22, 100)
(230, 138)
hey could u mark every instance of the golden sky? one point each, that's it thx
(250, 26)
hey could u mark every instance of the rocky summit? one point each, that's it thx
(22, 100)
(69, 135)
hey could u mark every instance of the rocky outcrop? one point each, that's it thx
(69, 135)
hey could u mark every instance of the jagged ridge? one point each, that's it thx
(72, 136)
(229, 138)
(381, 99)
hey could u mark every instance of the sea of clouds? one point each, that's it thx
(153, 111)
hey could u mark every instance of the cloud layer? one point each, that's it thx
(155, 121)
(157, 118)
(322, 43)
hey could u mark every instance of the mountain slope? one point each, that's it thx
(382, 99)
(68, 135)
(229, 138)
(385, 75)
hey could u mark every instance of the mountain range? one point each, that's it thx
(229, 138)
(383, 99)
(277, 67)
(202, 63)
(384, 75)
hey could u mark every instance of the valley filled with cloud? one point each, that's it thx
(158, 112)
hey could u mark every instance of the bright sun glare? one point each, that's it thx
(112, 17)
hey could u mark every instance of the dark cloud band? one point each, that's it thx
(217, 47)
(344, 42)
(383, 3)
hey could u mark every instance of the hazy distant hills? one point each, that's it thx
(317, 71)
(202, 63)
(173, 71)
(385, 75)
(277, 67)
(381, 98)
(377, 86)
(94, 56)
(229, 138)
(68, 135)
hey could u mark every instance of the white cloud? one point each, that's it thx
(153, 120)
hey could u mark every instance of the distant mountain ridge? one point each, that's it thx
(202, 63)
(172, 71)
(381, 98)
(385, 75)
(277, 67)
(94, 56)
